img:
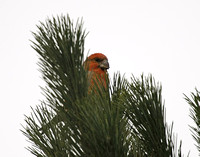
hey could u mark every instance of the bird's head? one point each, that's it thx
(97, 62)
(97, 65)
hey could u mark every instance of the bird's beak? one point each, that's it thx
(104, 64)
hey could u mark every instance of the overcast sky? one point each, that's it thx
(137, 36)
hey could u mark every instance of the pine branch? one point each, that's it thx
(48, 142)
(87, 124)
(61, 50)
(146, 113)
(124, 120)
(60, 46)
(194, 103)
(100, 128)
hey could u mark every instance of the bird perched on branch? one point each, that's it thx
(97, 65)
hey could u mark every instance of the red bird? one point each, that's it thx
(97, 65)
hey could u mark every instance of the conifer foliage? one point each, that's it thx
(194, 103)
(125, 120)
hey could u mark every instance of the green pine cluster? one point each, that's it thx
(125, 120)
(194, 103)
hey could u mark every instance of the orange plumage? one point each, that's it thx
(97, 65)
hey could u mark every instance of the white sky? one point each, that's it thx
(138, 36)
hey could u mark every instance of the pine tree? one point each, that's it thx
(194, 103)
(125, 120)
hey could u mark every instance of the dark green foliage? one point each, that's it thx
(48, 142)
(146, 114)
(124, 120)
(100, 126)
(194, 103)
(61, 50)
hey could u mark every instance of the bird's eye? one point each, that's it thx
(97, 60)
